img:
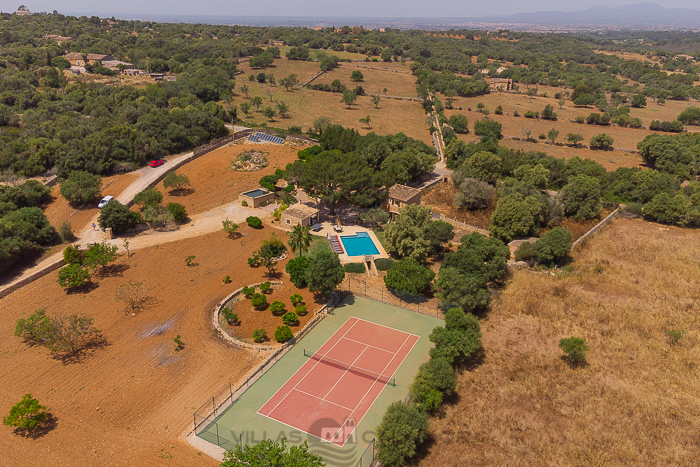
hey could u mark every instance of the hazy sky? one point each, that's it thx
(353, 8)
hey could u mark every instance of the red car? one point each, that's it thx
(156, 163)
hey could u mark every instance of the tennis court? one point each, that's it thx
(386, 329)
(341, 381)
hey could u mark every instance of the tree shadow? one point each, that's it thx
(114, 270)
(83, 289)
(41, 429)
(274, 275)
(574, 364)
(86, 351)
(182, 192)
(470, 364)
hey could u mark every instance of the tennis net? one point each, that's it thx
(350, 368)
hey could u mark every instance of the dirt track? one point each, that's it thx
(130, 402)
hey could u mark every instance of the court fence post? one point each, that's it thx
(218, 443)
(213, 404)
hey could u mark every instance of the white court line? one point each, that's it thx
(310, 370)
(381, 325)
(383, 387)
(288, 379)
(373, 346)
(346, 371)
(324, 400)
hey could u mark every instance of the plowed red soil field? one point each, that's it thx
(131, 401)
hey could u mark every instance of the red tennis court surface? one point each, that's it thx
(326, 399)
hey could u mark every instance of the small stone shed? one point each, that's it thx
(300, 214)
(400, 196)
(257, 198)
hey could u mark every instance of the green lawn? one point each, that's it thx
(318, 244)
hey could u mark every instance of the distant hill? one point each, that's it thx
(637, 15)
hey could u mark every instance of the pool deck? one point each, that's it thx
(351, 230)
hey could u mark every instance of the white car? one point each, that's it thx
(104, 201)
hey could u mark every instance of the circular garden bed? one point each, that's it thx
(262, 309)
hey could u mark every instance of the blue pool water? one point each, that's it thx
(255, 193)
(359, 244)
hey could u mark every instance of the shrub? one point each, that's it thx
(133, 293)
(248, 291)
(178, 212)
(515, 216)
(65, 231)
(176, 181)
(72, 254)
(324, 273)
(189, 260)
(300, 310)
(548, 249)
(296, 299)
(460, 339)
(402, 429)
(499, 110)
(290, 318)
(81, 187)
(675, 335)
(268, 452)
(230, 228)
(254, 222)
(474, 194)
(272, 247)
(227, 280)
(259, 335)
(70, 335)
(258, 301)
(118, 217)
(26, 415)
(283, 334)
(354, 268)
(73, 276)
(266, 287)
(179, 345)
(296, 268)
(148, 197)
(230, 317)
(277, 307)
(434, 380)
(383, 264)
(244, 203)
(33, 329)
(407, 275)
(602, 141)
(581, 197)
(488, 128)
(575, 349)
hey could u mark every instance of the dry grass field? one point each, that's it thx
(392, 116)
(517, 127)
(130, 402)
(375, 80)
(637, 402)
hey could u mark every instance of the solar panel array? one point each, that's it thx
(264, 137)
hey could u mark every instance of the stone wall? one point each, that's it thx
(31, 278)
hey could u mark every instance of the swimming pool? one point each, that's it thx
(359, 244)
(255, 193)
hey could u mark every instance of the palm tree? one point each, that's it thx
(299, 238)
